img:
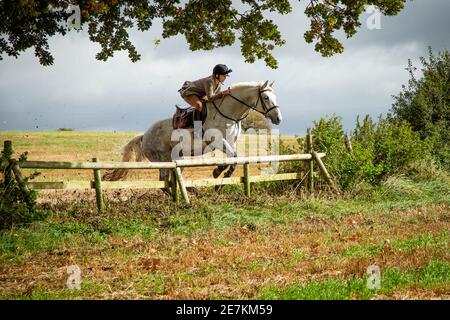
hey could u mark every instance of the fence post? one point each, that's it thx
(20, 180)
(98, 188)
(182, 185)
(7, 151)
(174, 185)
(247, 186)
(309, 149)
(324, 171)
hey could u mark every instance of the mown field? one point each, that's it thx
(281, 243)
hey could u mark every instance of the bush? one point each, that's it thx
(397, 147)
(424, 103)
(378, 149)
(17, 207)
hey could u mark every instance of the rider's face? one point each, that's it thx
(222, 78)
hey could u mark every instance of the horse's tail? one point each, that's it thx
(132, 151)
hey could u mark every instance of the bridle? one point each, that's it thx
(254, 108)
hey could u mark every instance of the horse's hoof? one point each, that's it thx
(166, 191)
(193, 190)
(216, 173)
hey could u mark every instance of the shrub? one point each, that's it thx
(424, 103)
(17, 207)
(378, 149)
(396, 147)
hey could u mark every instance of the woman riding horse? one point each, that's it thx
(207, 89)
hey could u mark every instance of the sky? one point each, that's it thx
(82, 93)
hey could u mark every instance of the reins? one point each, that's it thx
(254, 108)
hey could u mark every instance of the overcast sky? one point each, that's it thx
(82, 93)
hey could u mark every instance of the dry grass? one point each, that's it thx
(238, 262)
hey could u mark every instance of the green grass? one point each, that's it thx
(48, 236)
(206, 214)
(39, 293)
(422, 241)
(435, 274)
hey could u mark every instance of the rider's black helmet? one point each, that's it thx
(221, 69)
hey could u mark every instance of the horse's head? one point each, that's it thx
(268, 103)
(257, 96)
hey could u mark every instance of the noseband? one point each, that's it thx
(254, 108)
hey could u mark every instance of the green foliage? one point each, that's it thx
(329, 16)
(378, 149)
(396, 146)
(436, 273)
(347, 168)
(205, 24)
(424, 103)
(16, 206)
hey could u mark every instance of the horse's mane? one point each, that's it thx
(252, 84)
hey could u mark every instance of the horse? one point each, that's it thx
(224, 116)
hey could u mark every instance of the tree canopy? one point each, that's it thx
(425, 102)
(206, 25)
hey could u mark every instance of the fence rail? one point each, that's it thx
(176, 182)
(163, 165)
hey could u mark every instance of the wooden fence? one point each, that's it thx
(177, 182)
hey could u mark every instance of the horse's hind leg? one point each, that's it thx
(218, 171)
(227, 175)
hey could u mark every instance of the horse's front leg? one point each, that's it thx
(218, 171)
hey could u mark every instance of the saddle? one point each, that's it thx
(185, 116)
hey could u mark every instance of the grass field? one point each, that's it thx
(83, 146)
(278, 244)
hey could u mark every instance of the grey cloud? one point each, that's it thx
(83, 93)
(422, 21)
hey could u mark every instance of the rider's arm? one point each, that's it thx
(220, 94)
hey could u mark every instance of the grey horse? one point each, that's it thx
(223, 118)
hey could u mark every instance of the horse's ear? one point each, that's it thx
(271, 85)
(265, 84)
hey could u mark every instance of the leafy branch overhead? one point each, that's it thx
(206, 25)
